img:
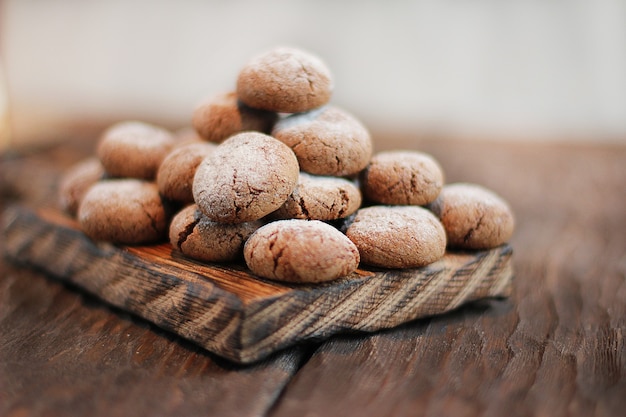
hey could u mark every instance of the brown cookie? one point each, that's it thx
(402, 177)
(397, 236)
(247, 177)
(134, 149)
(199, 238)
(128, 211)
(473, 216)
(285, 80)
(320, 198)
(300, 251)
(327, 141)
(175, 174)
(218, 117)
(76, 181)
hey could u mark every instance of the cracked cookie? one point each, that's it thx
(175, 175)
(320, 198)
(202, 239)
(245, 178)
(402, 177)
(285, 80)
(128, 211)
(218, 117)
(134, 149)
(327, 141)
(303, 251)
(473, 216)
(397, 236)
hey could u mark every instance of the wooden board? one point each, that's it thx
(229, 311)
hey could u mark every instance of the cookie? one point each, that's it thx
(134, 149)
(397, 236)
(402, 177)
(304, 251)
(473, 216)
(285, 80)
(218, 117)
(199, 238)
(247, 177)
(320, 198)
(128, 211)
(76, 181)
(327, 141)
(175, 175)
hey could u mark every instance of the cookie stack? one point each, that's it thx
(280, 177)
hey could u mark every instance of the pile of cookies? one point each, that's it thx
(274, 174)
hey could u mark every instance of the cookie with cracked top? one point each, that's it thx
(304, 251)
(320, 198)
(327, 141)
(134, 149)
(397, 236)
(245, 178)
(222, 115)
(128, 211)
(202, 239)
(474, 217)
(285, 80)
(402, 177)
(175, 175)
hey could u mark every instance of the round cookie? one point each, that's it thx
(134, 149)
(199, 238)
(473, 216)
(327, 141)
(285, 80)
(175, 175)
(128, 211)
(402, 177)
(305, 251)
(397, 236)
(218, 117)
(76, 182)
(320, 198)
(247, 177)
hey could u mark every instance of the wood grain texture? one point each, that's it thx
(65, 353)
(554, 348)
(234, 314)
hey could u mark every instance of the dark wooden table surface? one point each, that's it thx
(554, 348)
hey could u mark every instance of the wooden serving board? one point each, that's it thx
(229, 311)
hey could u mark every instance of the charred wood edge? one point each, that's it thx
(193, 304)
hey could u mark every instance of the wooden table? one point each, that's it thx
(554, 348)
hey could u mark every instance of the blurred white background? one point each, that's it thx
(506, 69)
